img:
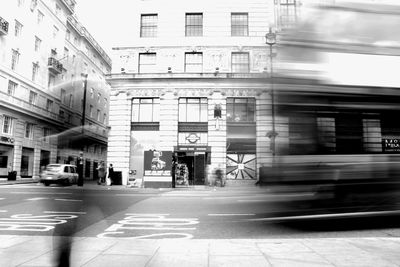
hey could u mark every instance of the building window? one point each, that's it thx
(35, 71)
(62, 96)
(18, 28)
(66, 53)
(193, 62)
(194, 24)
(148, 25)
(98, 114)
(104, 118)
(7, 124)
(240, 109)
(40, 17)
(240, 62)
(193, 110)
(147, 62)
(49, 105)
(29, 130)
(58, 10)
(52, 80)
(91, 92)
(12, 86)
(61, 113)
(20, 2)
(105, 102)
(68, 35)
(33, 4)
(71, 100)
(91, 111)
(46, 134)
(98, 98)
(145, 110)
(32, 98)
(38, 42)
(287, 13)
(55, 32)
(14, 59)
(239, 24)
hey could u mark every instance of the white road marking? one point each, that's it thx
(65, 212)
(37, 198)
(2, 198)
(251, 200)
(326, 216)
(147, 214)
(40, 193)
(231, 214)
(3, 210)
(66, 199)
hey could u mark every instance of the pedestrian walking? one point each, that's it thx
(80, 169)
(173, 171)
(110, 175)
(102, 173)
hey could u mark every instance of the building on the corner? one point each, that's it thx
(45, 54)
(192, 82)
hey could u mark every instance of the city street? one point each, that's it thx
(197, 213)
(119, 226)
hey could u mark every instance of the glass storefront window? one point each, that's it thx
(193, 109)
(240, 109)
(145, 109)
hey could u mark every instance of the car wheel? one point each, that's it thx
(46, 183)
(66, 181)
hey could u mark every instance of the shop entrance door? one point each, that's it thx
(199, 168)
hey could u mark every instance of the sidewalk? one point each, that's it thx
(40, 251)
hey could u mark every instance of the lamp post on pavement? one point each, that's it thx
(270, 39)
(80, 159)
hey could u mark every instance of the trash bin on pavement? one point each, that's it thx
(12, 175)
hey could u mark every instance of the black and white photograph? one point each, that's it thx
(237, 133)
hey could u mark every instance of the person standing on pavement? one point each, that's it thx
(80, 169)
(110, 174)
(102, 173)
(173, 171)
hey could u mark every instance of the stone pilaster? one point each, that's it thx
(168, 121)
(217, 131)
(119, 136)
(264, 124)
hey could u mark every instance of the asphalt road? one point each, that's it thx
(136, 213)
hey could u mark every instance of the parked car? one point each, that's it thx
(59, 173)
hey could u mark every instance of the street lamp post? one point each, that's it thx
(80, 159)
(270, 39)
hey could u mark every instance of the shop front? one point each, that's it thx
(6, 159)
(192, 163)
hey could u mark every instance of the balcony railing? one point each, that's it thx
(3, 26)
(55, 66)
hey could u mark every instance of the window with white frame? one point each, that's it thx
(240, 62)
(145, 110)
(46, 134)
(35, 71)
(38, 42)
(91, 92)
(70, 100)
(98, 98)
(29, 130)
(32, 98)
(49, 105)
(12, 86)
(194, 62)
(66, 53)
(52, 80)
(147, 62)
(55, 32)
(17, 29)
(14, 58)
(62, 96)
(148, 25)
(58, 10)
(91, 111)
(193, 109)
(239, 24)
(98, 115)
(8, 123)
(194, 24)
(104, 118)
(240, 109)
(68, 35)
(40, 17)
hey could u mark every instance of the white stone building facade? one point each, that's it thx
(43, 53)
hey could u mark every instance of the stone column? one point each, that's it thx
(263, 125)
(36, 163)
(119, 135)
(217, 132)
(19, 136)
(168, 121)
